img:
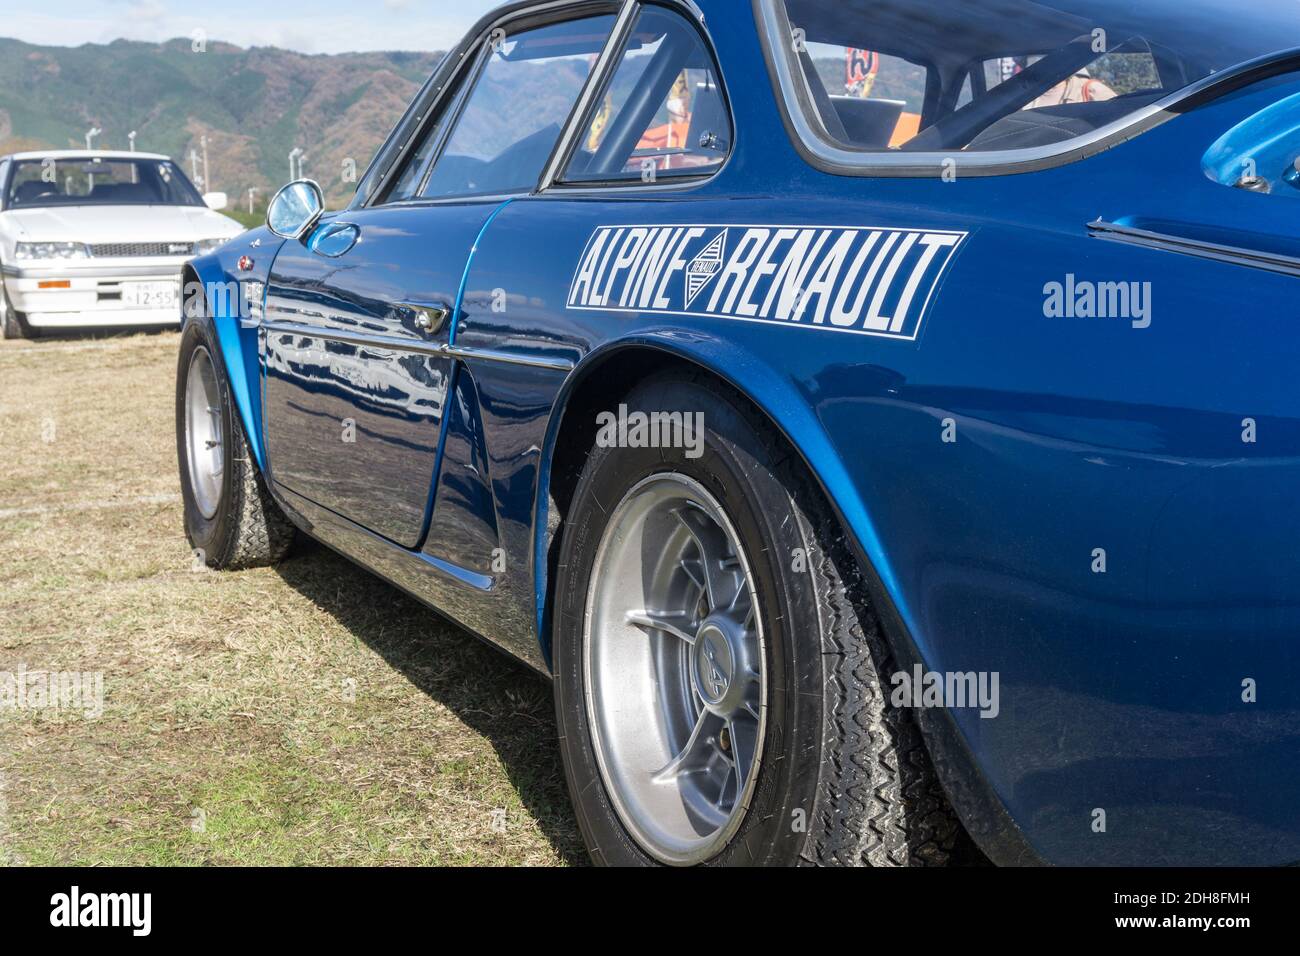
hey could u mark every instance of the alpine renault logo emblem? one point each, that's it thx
(869, 280)
(717, 682)
(704, 267)
(714, 663)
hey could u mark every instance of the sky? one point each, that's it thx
(309, 26)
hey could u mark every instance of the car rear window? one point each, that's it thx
(996, 75)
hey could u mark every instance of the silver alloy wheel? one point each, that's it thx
(203, 432)
(674, 670)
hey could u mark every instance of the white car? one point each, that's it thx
(93, 238)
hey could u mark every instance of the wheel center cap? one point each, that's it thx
(716, 658)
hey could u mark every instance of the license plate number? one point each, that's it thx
(149, 295)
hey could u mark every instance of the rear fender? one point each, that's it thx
(780, 400)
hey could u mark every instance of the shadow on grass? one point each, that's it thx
(93, 333)
(510, 705)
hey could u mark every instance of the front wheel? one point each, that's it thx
(230, 518)
(12, 324)
(718, 668)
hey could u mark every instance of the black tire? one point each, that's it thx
(248, 529)
(838, 758)
(13, 324)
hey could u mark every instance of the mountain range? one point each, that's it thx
(253, 105)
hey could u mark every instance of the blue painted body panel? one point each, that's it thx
(221, 281)
(380, 472)
(1119, 690)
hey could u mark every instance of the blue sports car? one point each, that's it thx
(879, 418)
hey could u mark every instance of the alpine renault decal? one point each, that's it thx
(864, 279)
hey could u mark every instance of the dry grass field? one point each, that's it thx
(305, 714)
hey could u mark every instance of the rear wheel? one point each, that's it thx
(693, 667)
(719, 671)
(230, 518)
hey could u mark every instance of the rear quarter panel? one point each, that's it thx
(1120, 691)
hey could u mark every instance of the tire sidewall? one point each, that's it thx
(208, 535)
(12, 325)
(736, 468)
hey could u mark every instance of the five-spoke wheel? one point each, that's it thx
(674, 669)
(718, 669)
(203, 442)
(230, 517)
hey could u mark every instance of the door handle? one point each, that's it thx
(426, 318)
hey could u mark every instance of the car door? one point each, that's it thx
(360, 313)
(649, 149)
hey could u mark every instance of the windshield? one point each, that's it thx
(983, 75)
(99, 182)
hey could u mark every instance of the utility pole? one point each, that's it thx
(293, 159)
(130, 138)
(194, 168)
(301, 157)
(252, 191)
(91, 134)
(207, 183)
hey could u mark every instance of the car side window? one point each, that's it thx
(494, 135)
(662, 114)
(416, 166)
(513, 116)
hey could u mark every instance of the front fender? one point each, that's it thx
(222, 285)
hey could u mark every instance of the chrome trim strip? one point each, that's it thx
(1234, 255)
(401, 344)
(508, 358)
(694, 9)
(595, 81)
(396, 342)
(774, 23)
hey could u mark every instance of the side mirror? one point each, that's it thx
(295, 209)
(217, 201)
